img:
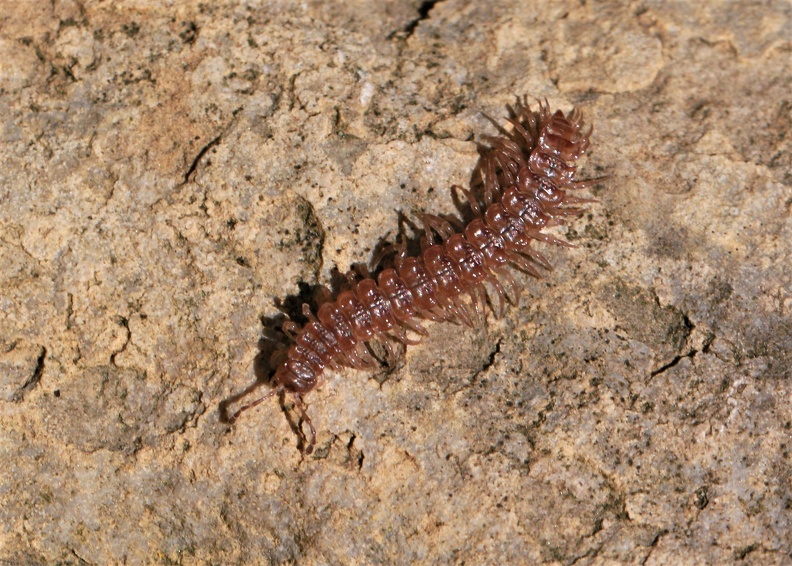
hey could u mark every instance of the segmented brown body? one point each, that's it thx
(525, 175)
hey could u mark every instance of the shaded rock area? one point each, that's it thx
(177, 178)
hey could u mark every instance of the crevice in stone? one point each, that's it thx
(660, 534)
(423, 14)
(673, 362)
(194, 165)
(34, 378)
(124, 323)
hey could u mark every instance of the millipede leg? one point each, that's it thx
(475, 297)
(559, 212)
(490, 182)
(538, 258)
(548, 239)
(363, 270)
(306, 309)
(364, 355)
(475, 207)
(291, 329)
(351, 278)
(298, 402)
(399, 248)
(578, 200)
(390, 354)
(428, 230)
(527, 139)
(585, 183)
(401, 335)
(254, 403)
(498, 291)
(415, 327)
(353, 360)
(513, 287)
(522, 263)
(459, 311)
(439, 225)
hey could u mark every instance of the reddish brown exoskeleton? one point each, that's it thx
(525, 175)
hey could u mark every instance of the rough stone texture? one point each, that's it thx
(173, 174)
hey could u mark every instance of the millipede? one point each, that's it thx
(520, 186)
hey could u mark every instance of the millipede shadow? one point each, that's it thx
(272, 343)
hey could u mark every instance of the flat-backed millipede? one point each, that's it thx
(523, 176)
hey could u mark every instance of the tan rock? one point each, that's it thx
(175, 176)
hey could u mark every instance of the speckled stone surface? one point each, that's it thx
(174, 177)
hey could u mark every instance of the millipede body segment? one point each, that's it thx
(524, 177)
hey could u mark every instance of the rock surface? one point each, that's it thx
(175, 177)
